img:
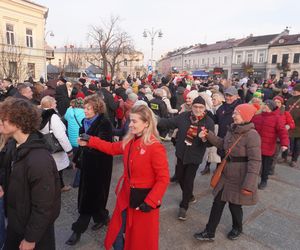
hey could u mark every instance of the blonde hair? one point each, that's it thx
(219, 96)
(146, 115)
(3, 140)
(47, 101)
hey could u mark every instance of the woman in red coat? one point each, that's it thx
(145, 168)
(269, 124)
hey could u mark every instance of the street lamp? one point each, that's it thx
(51, 34)
(152, 35)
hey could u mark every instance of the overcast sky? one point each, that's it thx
(182, 22)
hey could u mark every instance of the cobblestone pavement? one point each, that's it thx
(274, 223)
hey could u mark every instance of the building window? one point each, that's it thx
(249, 58)
(285, 59)
(214, 61)
(238, 59)
(203, 61)
(274, 59)
(29, 38)
(261, 57)
(10, 36)
(297, 58)
(31, 70)
(225, 60)
(12, 69)
(125, 62)
(125, 74)
(207, 61)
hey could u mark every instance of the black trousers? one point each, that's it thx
(266, 162)
(216, 214)
(83, 221)
(296, 148)
(186, 175)
(14, 239)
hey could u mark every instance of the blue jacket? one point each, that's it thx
(73, 125)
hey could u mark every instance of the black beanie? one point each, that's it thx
(297, 87)
(271, 104)
(199, 100)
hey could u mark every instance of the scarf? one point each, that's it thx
(87, 123)
(192, 132)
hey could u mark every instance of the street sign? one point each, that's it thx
(149, 68)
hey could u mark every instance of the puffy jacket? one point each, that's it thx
(286, 117)
(270, 125)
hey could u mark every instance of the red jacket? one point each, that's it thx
(119, 110)
(286, 117)
(148, 169)
(270, 126)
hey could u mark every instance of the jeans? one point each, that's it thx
(216, 213)
(2, 223)
(186, 175)
(119, 242)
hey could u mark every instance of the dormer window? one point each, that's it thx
(281, 41)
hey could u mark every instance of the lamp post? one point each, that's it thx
(51, 34)
(152, 35)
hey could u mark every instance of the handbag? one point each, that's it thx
(52, 141)
(218, 172)
(137, 195)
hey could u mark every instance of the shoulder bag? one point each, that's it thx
(52, 141)
(218, 172)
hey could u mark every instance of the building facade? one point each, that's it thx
(22, 43)
(284, 57)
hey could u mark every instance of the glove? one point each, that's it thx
(246, 192)
(84, 137)
(144, 207)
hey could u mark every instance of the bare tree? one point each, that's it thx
(72, 61)
(12, 63)
(112, 44)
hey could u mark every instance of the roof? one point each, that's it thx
(258, 40)
(287, 40)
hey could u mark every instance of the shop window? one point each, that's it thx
(12, 69)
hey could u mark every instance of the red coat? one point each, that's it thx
(286, 117)
(270, 125)
(148, 169)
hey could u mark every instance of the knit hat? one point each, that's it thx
(78, 102)
(258, 94)
(193, 94)
(279, 98)
(199, 100)
(285, 86)
(297, 87)
(247, 111)
(271, 104)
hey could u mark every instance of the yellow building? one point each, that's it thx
(22, 43)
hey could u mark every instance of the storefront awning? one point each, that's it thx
(199, 73)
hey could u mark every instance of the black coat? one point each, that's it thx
(96, 169)
(33, 196)
(63, 99)
(111, 104)
(224, 118)
(188, 154)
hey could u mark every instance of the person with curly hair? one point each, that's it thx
(33, 193)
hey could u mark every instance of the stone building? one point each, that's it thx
(284, 57)
(22, 39)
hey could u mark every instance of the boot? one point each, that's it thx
(74, 238)
(173, 179)
(206, 170)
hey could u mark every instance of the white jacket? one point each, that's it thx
(59, 131)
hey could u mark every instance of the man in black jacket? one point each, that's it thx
(33, 194)
(111, 104)
(190, 149)
(7, 89)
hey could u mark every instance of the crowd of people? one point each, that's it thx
(48, 128)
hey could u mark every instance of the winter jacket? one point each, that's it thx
(270, 125)
(111, 104)
(179, 97)
(59, 131)
(188, 154)
(286, 117)
(243, 174)
(96, 169)
(33, 196)
(158, 106)
(63, 99)
(74, 123)
(294, 110)
(169, 108)
(148, 168)
(223, 116)
(50, 90)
